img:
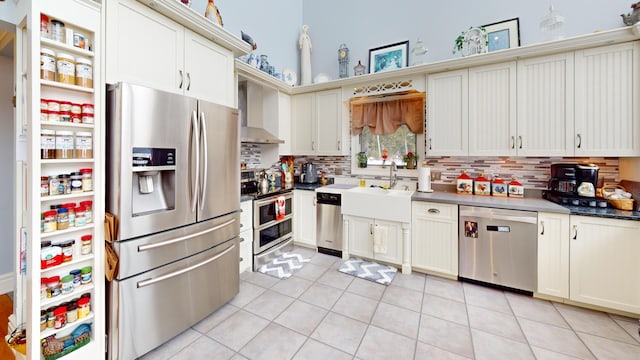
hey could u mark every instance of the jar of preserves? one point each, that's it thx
(84, 73)
(86, 244)
(43, 320)
(44, 115)
(64, 144)
(53, 105)
(44, 186)
(84, 307)
(57, 31)
(49, 221)
(53, 115)
(47, 144)
(62, 219)
(76, 119)
(76, 109)
(87, 179)
(87, 109)
(87, 118)
(66, 66)
(84, 145)
(47, 64)
(65, 106)
(76, 181)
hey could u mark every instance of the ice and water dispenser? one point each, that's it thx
(153, 180)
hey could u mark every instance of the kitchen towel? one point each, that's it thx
(369, 270)
(424, 179)
(380, 239)
(281, 210)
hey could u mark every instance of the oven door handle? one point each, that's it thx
(148, 247)
(271, 200)
(152, 281)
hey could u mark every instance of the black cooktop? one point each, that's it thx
(588, 206)
(273, 191)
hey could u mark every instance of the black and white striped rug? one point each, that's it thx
(284, 265)
(369, 270)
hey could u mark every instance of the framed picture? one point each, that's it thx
(503, 35)
(388, 57)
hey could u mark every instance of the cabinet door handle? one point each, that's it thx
(371, 229)
(520, 140)
(579, 140)
(513, 142)
(339, 146)
(188, 81)
(433, 211)
(241, 259)
(181, 79)
(575, 232)
(241, 239)
(542, 225)
(430, 142)
(313, 145)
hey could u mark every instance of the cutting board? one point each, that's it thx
(634, 188)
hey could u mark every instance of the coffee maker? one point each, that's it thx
(574, 179)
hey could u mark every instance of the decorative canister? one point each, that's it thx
(498, 187)
(482, 185)
(84, 73)
(516, 189)
(47, 64)
(66, 66)
(464, 184)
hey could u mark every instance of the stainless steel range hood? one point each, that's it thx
(256, 135)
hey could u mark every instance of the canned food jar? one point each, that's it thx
(88, 210)
(84, 145)
(81, 218)
(87, 179)
(47, 144)
(53, 105)
(72, 312)
(43, 320)
(76, 277)
(50, 221)
(66, 284)
(47, 64)
(65, 116)
(53, 286)
(84, 73)
(85, 275)
(76, 181)
(57, 30)
(66, 66)
(86, 244)
(44, 104)
(87, 109)
(65, 106)
(67, 248)
(84, 308)
(64, 144)
(76, 109)
(62, 219)
(53, 115)
(44, 115)
(43, 289)
(44, 186)
(51, 319)
(71, 207)
(60, 314)
(44, 26)
(87, 118)
(79, 40)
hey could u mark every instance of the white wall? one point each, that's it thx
(7, 14)
(7, 164)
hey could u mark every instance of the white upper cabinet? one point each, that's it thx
(545, 106)
(448, 113)
(607, 89)
(149, 49)
(302, 124)
(316, 123)
(492, 110)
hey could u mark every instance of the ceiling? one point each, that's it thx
(7, 40)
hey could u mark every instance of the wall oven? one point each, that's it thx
(272, 226)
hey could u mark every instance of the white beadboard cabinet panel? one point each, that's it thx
(553, 254)
(448, 113)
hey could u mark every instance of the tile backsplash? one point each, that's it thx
(532, 172)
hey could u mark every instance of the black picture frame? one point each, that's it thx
(389, 57)
(503, 34)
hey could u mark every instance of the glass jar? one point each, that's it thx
(63, 184)
(43, 320)
(64, 144)
(84, 145)
(65, 106)
(53, 115)
(81, 218)
(53, 286)
(76, 181)
(43, 288)
(72, 312)
(65, 116)
(87, 119)
(87, 109)
(71, 207)
(57, 31)
(44, 115)
(44, 26)
(51, 318)
(84, 73)
(66, 66)
(85, 275)
(88, 210)
(67, 249)
(47, 64)
(84, 307)
(53, 105)
(62, 219)
(76, 109)
(66, 284)
(76, 277)
(49, 221)
(60, 314)
(87, 179)
(44, 186)
(47, 144)
(86, 244)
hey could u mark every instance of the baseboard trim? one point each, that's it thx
(7, 283)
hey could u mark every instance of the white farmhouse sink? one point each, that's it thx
(378, 203)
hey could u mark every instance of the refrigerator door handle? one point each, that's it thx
(194, 182)
(205, 159)
(142, 248)
(152, 281)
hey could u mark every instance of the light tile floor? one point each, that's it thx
(320, 313)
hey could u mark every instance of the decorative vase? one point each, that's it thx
(362, 165)
(264, 63)
(411, 164)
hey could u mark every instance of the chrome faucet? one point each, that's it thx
(393, 175)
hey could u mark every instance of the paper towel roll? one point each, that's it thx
(424, 179)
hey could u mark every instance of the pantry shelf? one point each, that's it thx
(66, 86)
(89, 226)
(69, 48)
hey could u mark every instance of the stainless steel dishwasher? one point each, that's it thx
(499, 246)
(329, 223)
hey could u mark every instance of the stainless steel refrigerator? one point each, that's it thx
(173, 185)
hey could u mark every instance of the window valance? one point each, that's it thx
(384, 114)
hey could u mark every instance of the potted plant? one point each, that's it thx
(411, 159)
(362, 159)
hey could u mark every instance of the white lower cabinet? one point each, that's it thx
(304, 218)
(361, 240)
(246, 236)
(553, 254)
(605, 264)
(434, 237)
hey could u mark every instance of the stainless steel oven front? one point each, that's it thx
(272, 226)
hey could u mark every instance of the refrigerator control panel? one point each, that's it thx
(153, 156)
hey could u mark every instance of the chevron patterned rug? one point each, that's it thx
(369, 270)
(284, 265)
